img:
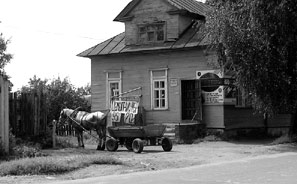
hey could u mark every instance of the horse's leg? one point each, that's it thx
(101, 135)
(82, 139)
(79, 138)
(104, 135)
(99, 140)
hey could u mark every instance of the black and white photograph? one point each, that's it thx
(148, 92)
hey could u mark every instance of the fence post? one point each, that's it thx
(54, 133)
(4, 113)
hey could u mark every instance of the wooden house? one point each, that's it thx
(163, 51)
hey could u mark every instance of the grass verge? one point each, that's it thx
(53, 165)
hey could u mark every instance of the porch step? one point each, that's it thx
(170, 132)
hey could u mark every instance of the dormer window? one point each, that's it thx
(148, 33)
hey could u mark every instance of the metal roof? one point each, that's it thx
(192, 6)
(194, 36)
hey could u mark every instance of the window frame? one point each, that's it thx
(153, 89)
(143, 30)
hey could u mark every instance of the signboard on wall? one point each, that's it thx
(211, 86)
(126, 108)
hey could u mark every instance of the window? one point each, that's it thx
(243, 99)
(151, 32)
(159, 97)
(114, 80)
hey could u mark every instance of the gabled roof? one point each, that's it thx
(191, 6)
(194, 36)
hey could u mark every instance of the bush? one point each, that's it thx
(27, 150)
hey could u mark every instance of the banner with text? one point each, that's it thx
(128, 108)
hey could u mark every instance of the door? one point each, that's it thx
(191, 100)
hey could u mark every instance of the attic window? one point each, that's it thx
(148, 33)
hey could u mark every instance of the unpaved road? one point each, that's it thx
(153, 158)
(268, 169)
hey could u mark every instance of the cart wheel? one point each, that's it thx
(128, 144)
(112, 144)
(166, 144)
(137, 145)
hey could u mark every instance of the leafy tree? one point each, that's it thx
(62, 94)
(35, 84)
(257, 40)
(4, 56)
(59, 94)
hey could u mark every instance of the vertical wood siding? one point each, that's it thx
(4, 113)
(242, 118)
(213, 116)
(28, 114)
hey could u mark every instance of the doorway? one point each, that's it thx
(191, 100)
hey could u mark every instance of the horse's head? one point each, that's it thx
(63, 117)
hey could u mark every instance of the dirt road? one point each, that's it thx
(154, 158)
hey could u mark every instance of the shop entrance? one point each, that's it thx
(191, 100)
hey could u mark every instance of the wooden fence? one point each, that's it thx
(28, 114)
(4, 113)
(65, 130)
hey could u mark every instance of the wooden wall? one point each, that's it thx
(136, 73)
(213, 116)
(245, 118)
(241, 118)
(28, 114)
(150, 11)
(4, 113)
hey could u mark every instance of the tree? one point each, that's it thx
(62, 94)
(59, 94)
(4, 56)
(257, 40)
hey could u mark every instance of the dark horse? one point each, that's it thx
(82, 120)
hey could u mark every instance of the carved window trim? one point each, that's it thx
(152, 32)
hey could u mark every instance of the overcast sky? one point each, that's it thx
(46, 36)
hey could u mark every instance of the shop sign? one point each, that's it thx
(128, 108)
(212, 86)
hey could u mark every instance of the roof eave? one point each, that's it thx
(186, 13)
(148, 51)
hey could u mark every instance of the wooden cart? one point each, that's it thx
(129, 128)
(136, 137)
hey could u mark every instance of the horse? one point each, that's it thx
(82, 120)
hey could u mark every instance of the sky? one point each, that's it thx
(46, 35)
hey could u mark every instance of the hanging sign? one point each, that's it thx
(212, 86)
(128, 108)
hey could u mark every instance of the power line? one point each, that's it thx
(50, 32)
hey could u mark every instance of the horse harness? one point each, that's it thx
(71, 117)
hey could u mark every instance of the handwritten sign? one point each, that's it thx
(128, 108)
(216, 96)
